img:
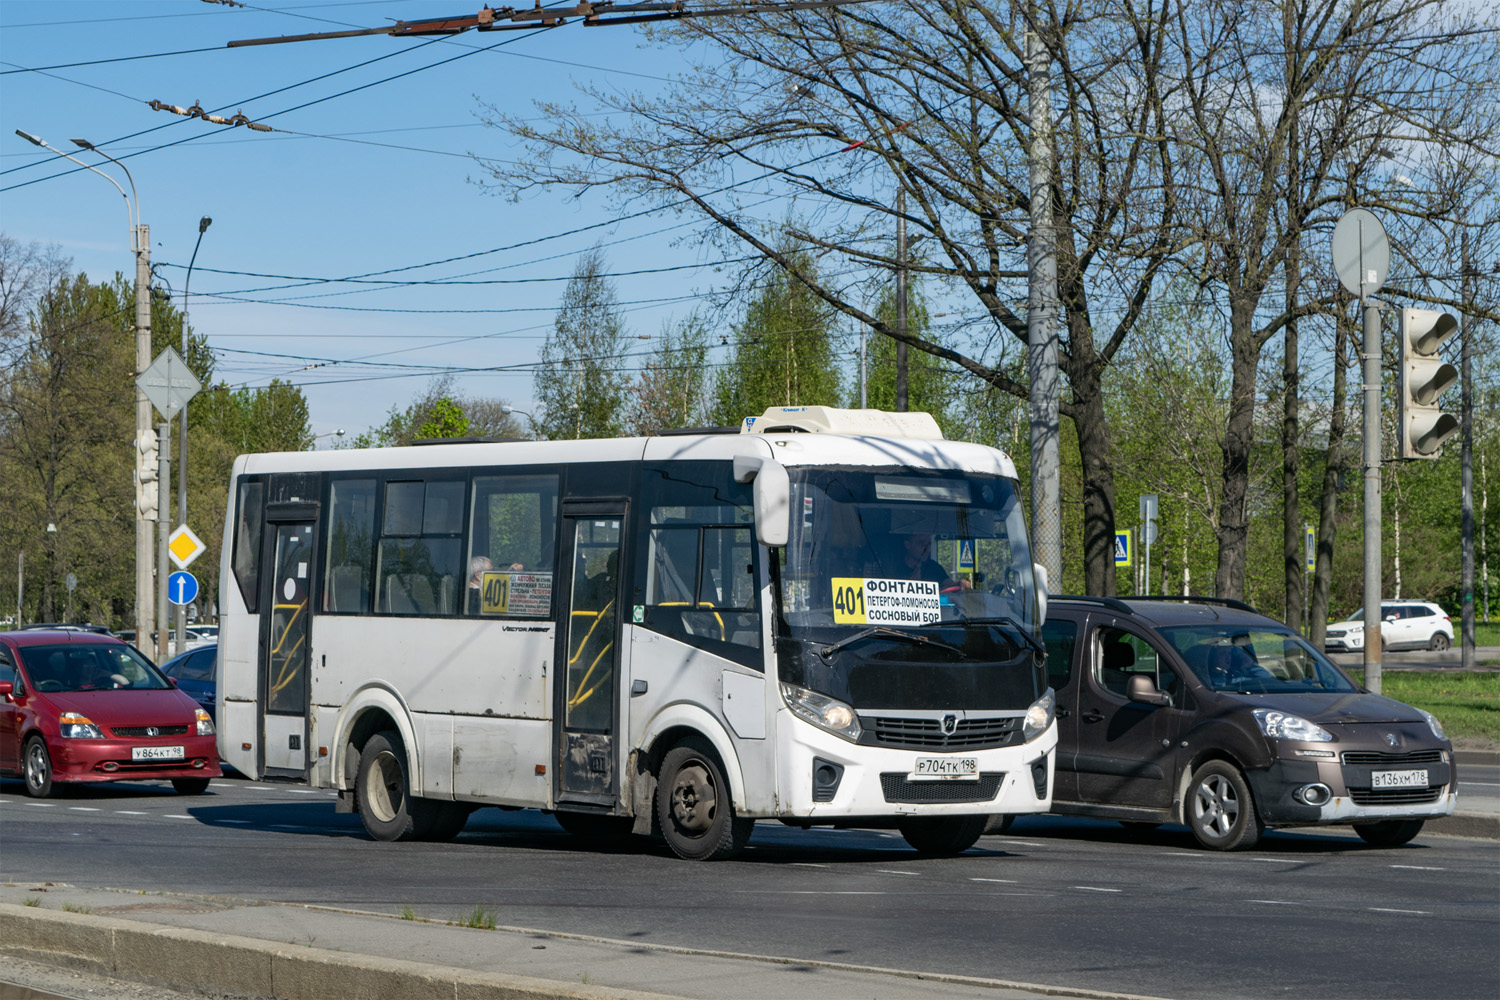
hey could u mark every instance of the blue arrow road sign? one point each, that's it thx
(182, 587)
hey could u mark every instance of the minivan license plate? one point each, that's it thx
(156, 753)
(1399, 779)
(946, 767)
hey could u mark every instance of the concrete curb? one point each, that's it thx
(1483, 826)
(1477, 758)
(184, 959)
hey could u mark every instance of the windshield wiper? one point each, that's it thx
(886, 630)
(1004, 620)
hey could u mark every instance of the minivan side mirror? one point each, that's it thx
(7, 689)
(1141, 688)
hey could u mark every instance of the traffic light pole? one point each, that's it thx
(1371, 355)
(164, 529)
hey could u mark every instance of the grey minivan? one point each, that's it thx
(1201, 711)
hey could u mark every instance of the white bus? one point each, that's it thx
(830, 617)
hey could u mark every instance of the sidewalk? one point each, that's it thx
(292, 952)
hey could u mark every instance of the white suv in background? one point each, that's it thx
(1404, 625)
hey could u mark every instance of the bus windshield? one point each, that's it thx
(904, 548)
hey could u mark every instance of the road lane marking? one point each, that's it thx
(1007, 881)
(84, 809)
(888, 871)
(806, 864)
(1386, 909)
(1185, 854)
(1277, 902)
(42, 805)
(1023, 843)
(176, 816)
(1280, 861)
(128, 812)
(1095, 888)
(303, 791)
(1420, 868)
(1486, 784)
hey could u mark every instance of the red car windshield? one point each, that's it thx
(84, 666)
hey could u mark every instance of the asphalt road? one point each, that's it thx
(1065, 902)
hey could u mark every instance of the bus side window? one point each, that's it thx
(251, 507)
(351, 546)
(419, 570)
(698, 582)
(512, 546)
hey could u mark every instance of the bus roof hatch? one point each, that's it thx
(833, 420)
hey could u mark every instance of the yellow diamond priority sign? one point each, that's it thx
(184, 546)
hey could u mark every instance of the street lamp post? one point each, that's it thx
(507, 409)
(182, 430)
(145, 565)
(140, 237)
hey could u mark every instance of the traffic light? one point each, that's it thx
(146, 487)
(1422, 426)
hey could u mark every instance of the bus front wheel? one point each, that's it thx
(383, 791)
(943, 836)
(694, 809)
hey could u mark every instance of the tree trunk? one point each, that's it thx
(1333, 467)
(1087, 408)
(1229, 579)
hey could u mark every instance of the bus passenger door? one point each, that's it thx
(285, 637)
(588, 654)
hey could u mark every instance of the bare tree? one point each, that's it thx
(856, 112)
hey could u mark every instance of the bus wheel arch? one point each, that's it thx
(373, 710)
(678, 723)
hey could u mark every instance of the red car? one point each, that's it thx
(79, 706)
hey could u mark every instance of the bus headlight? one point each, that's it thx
(78, 727)
(205, 724)
(822, 711)
(1039, 716)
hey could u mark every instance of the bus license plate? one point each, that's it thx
(946, 767)
(156, 753)
(1399, 779)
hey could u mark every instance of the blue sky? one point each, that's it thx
(370, 181)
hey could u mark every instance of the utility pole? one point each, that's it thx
(864, 400)
(1041, 324)
(20, 586)
(901, 298)
(1466, 415)
(145, 620)
(1371, 431)
(182, 428)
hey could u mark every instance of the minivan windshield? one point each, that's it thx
(89, 666)
(1255, 660)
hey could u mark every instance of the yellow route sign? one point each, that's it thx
(184, 546)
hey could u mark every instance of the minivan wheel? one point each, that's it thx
(1389, 833)
(1440, 642)
(1220, 810)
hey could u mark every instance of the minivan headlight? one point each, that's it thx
(1434, 725)
(1281, 725)
(822, 711)
(1039, 716)
(74, 726)
(205, 724)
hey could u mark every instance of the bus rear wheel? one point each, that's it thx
(943, 836)
(383, 791)
(694, 809)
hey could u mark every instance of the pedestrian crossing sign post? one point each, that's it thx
(1123, 548)
(1312, 548)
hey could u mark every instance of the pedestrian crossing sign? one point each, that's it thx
(1123, 548)
(966, 554)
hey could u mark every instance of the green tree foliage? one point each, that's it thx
(438, 411)
(783, 353)
(67, 426)
(672, 388)
(446, 420)
(580, 384)
(931, 382)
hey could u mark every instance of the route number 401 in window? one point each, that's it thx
(849, 600)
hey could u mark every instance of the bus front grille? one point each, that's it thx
(898, 787)
(927, 734)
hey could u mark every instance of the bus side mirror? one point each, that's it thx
(773, 497)
(1039, 572)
